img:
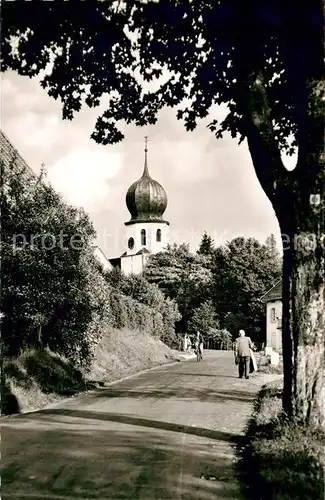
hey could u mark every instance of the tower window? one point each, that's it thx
(143, 237)
(131, 243)
(158, 235)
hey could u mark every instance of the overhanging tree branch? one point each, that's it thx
(302, 48)
(264, 149)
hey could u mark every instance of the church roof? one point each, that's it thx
(96, 248)
(9, 153)
(101, 257)
(142, 251)
(275, 293)
(146, 199)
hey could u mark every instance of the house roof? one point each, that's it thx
(142, 251)
(9, 153)
(275, 293)
(96, 247)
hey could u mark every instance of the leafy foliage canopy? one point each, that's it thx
(144, 55)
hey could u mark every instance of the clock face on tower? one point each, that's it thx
(131, 243)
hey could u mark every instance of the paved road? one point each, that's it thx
(165, 434)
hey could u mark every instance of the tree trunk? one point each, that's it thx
(303, 328)
(301, 219)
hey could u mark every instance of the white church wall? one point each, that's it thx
(133, 264)
(152, 245)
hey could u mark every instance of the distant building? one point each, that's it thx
(273, 301)
(146, 233)
(102, 259)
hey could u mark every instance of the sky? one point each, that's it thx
(210, 184)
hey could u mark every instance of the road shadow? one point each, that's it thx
(101, 463)
(204, 375)
(180, 393)
(56, 413)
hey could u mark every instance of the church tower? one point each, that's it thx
(146, 232)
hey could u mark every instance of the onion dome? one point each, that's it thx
(146, 199)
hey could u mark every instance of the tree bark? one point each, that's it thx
(303, 328)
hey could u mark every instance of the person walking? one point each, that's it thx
(242, 353)
(199, 346)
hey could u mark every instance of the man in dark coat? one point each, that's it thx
(243, 345)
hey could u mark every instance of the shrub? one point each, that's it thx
(264, 364)
(139, 305)
(45, 299)
(53, 373)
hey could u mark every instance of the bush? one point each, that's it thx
(44, 292)
(53, 373)
(264, 364)
(139, 305)
(281, 460)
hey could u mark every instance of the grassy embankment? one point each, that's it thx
(280, 460)
(39, 377)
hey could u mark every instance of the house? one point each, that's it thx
(273, 302)
(102, 259)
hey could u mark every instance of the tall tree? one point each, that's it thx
(206, 246)
(271, 244)
(243, 270)
(44, 283)
(222, 339)
(204, 319)
(182, 276)
(265, 61)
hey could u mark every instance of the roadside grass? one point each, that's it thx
(280, 460)
(38, 377)
(125, 352)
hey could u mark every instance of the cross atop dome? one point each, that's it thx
(145, 170)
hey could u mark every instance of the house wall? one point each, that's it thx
(273, 325)
(98, 254)
(133, 264)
